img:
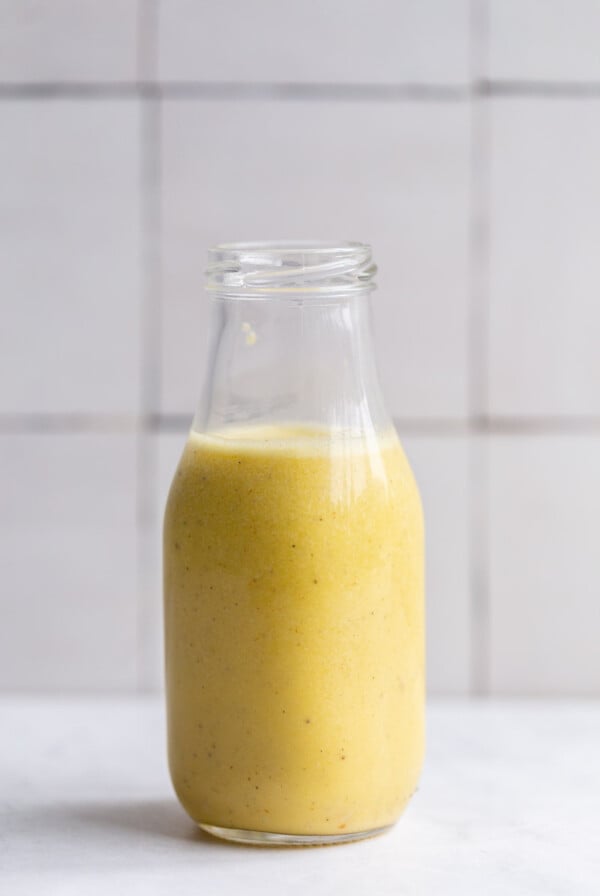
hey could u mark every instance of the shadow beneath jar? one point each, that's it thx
(153, 819)
(103, 835)
(158, 819)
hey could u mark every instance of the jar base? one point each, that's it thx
(266, 838)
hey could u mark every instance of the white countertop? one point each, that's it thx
(509, 804)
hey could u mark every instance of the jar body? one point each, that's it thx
(293, 573)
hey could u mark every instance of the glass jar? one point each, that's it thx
(293, 563)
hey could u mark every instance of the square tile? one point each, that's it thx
(545, 565)
(544, 40)
(374, 42)
(68, 555)
(441, 467)
(393, 175)
(544, 318)
(68, 40)
(70, 256)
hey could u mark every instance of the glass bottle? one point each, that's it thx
(293, 563)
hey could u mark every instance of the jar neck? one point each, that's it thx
(281, 360)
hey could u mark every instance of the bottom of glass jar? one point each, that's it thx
(266, 838)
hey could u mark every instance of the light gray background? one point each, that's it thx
(462, 140)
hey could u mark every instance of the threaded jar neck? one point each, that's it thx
(294, 269)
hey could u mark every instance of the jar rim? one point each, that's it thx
(260, 269)
(279, 246)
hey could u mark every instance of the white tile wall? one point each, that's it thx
(68, 560)
(395, 175)
(442, 470)
(545, 265)
(544, 40)
(363, 42)
(70, 256)
(498, 222)
(545, 565)
(67, 40)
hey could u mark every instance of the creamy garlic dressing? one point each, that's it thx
(294, 630)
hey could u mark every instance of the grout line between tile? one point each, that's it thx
(147, 472)
(13, 424)
(479, 565)
(323, 92)
(478, 358)
(53, 90)
(150, 87)
(150, 223)
(151, 422)
(538, 89)
(479, 253)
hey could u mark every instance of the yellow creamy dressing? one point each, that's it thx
(294, 630)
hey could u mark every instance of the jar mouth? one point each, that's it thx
(296, 268)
